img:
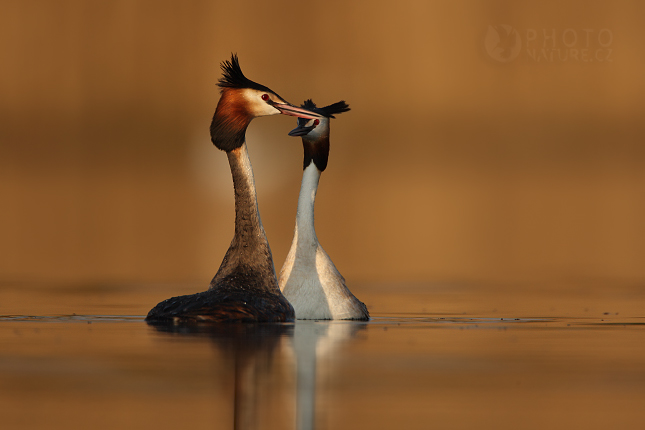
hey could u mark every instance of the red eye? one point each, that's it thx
(316, 122)
(265, 97)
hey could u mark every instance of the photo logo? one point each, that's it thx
(503, 43)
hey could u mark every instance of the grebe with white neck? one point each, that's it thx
(309, 279)
(245, 288)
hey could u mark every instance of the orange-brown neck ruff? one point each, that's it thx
(230, 121)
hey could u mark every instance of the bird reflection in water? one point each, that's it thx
(314, 343)
(252, 348)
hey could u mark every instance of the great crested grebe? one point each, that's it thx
(308, 277)
(245, 288)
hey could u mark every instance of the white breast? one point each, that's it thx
(309, 279)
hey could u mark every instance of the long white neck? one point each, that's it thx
(305, 230)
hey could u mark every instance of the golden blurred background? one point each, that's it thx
(488, 141)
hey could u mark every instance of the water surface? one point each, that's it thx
(433, 356)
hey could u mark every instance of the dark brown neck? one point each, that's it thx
(249, 250)
(248, 226)
(316, 150)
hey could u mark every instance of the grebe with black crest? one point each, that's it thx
(245, 288)
(309, 279)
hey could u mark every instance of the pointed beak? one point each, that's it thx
(301, 130)
(287, 109)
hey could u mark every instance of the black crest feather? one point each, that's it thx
(328, 111)
(234, 78)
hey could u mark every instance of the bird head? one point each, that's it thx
(315, 132)
(314, 129)
(256, 99)
(242, 100)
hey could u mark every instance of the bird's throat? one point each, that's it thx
(248, 225)
(249, 253)
(305, 217)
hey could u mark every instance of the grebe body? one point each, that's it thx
(309, 279)
(245, 288)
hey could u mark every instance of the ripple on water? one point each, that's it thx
(389, 320)
(72, 318)
(506, 322)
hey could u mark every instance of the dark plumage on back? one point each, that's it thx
(234, 78)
